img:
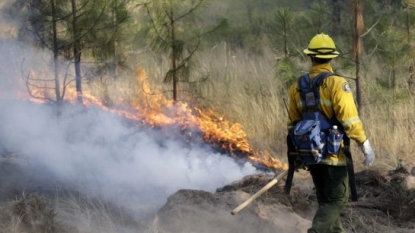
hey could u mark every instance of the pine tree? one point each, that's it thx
(70, 29)
(173, 30)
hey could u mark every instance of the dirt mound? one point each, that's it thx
(199, 211)
(385, 205)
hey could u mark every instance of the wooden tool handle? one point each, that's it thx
(259, 193)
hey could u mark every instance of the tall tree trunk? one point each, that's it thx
(336, 18)
(357, 49)
(174, 51)
(76, 52)
(249, 9)
(285, 38)
(113, 63)
(411, 79)
(55, 54)
(393, 80)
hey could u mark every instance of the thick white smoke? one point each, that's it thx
(104, 155)
(93, 152)
(97, 152)
(100, 153)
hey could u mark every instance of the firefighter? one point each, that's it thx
(330, 176)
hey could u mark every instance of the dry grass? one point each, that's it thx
(29, 214)
(244, 89)
(240, 86)
(38, 214)
(154, 226)
(391, 129)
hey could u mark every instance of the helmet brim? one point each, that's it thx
(319, 55)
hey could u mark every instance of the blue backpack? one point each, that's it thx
(315, 135)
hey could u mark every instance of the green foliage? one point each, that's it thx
(174, 30)
(282, 28)
(287, 72)
(319, 17)
(98, 24)
(110, 27)
(35, 20)
(392, 50)
(172, 25)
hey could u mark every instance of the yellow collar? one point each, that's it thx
(315, 70)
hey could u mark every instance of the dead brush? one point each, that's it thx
(365, 221)
(29, 214)
(384, 202)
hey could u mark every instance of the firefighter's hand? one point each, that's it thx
(368, 152)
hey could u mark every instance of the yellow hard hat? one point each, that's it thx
(322, 46)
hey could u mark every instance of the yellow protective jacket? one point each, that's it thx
(336, 99)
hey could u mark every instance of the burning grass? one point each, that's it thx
(240, 106)
(144, 108)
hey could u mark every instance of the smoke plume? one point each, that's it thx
(100, 153)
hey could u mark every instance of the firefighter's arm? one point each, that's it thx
(346, 112)
(294, 113)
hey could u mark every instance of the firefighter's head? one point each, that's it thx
(321, 48)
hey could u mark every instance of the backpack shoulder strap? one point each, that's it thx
(304, 86)
(309, 90)
(319, 79)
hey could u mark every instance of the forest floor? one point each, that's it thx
(385, 205)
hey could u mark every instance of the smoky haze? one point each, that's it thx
(100, 153)
(104, 155)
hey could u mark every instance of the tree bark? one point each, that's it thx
(411, 80)
(174, 51)
(76, 52)
(357, 49)
(336, 18)
(113, 63)
(55, 54)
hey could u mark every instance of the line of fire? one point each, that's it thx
(159, 112)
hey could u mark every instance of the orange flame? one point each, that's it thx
(216, 130)
(158, 111)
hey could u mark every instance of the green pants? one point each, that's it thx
(332, 190)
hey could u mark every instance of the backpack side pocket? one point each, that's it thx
(309, 139)
(334, 139)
